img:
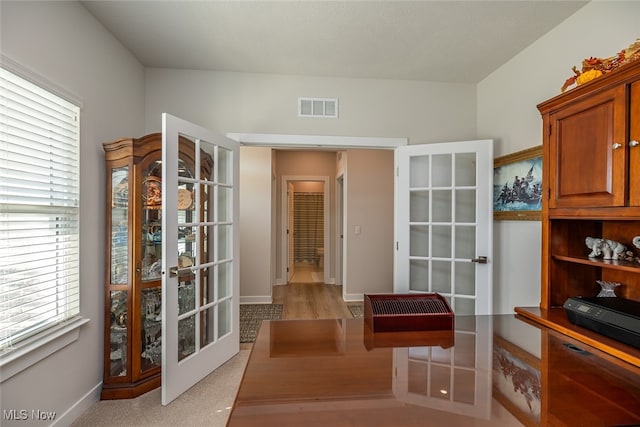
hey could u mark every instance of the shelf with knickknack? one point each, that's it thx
(591, 187)
(133, 289)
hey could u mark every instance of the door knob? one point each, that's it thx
(480, 260)
(633, 143)
(616, 146)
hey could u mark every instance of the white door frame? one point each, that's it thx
(340, 266)
(314, 141)
(284, 238)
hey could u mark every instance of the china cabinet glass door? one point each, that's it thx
(200, 246)
(444, 222)
(118, 293)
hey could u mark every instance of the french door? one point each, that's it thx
(444, 222)
(200, 243)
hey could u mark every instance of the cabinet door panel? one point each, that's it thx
(586, 169)
(634, 149)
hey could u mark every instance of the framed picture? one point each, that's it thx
(517, 185)
(517, 381)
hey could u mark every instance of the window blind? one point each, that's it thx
(308, 226)
(39, 204)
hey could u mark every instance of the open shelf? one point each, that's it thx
(556, 319)
(632, 267)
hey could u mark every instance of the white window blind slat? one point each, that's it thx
(39, 217)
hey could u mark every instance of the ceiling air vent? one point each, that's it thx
(318, 107)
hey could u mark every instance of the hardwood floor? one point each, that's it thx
(311, 301)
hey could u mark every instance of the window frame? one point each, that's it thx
(30, 350)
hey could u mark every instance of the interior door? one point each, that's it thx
(200, 243)
(444, 222)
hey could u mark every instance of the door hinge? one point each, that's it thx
(549, 130)
(397, 246)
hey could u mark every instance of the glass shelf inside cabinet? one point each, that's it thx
(151, 330)
(119, 226)
(151, 222)
(118, 334)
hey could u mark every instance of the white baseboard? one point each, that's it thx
(258, 299)
(353, 297)
(78, 408)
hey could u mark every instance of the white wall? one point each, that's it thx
(61, 42)
(264, 103)
(255, 220)
(507, 113)
(369, 206)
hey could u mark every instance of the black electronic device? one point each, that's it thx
(616, 318)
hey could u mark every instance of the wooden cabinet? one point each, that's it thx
(133, 322)
(591, 188)
(587, 155)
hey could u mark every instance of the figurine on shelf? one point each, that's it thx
(607, 289)
(636, 241)
(609, 249)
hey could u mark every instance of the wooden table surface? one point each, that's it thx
(489, 371)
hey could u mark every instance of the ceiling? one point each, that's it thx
(440, 41)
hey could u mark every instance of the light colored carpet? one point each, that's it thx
(208, 403)
(251, 315)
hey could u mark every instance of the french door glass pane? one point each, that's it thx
(225, 199)
(419, 171)
(441, 238)
(224, 317)
(224, 242)
(441, 276)
(224, 280)
(186, 337)
(465, 241)
(419, 240)
(419, 275)
(207, 326)
(419, 206)
(465, 169)
(464, 306)
(465, 206)
(442, 202)
(465, 278)
(441, 170)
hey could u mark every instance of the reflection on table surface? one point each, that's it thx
(491, 370)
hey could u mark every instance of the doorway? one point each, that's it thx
(306, 211)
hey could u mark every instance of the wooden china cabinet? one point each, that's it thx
(133, 323)
(591, 184)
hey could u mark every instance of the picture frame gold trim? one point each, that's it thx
(509, 159)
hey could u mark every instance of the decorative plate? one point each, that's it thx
(152, 191)
(184, 199)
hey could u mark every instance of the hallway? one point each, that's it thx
(306, 272)
(311, 301)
